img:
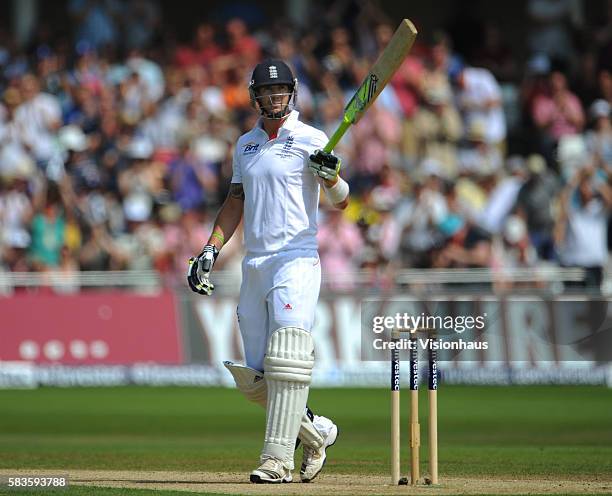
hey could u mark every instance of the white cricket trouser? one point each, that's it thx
(278, 290)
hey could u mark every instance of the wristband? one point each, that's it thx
(338, 192)
(219, 237)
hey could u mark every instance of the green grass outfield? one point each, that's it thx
(483, 431)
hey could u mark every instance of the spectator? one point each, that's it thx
(97, 20)
(88, 72)
(37, 118)
(299, 60)
(50, 68)
(11, 99)
(235, 98)
(164, 126)
(465, 246)
(16, 209)
(339, 243)
(556, 113)
(420, 216)
(453, 253)
(48, 231)
(571, 154)
(142, 19)
(512, 250)
(476, 156)
(437, 124)
(83, 110)
(377, 138)
(516, 250)
(581, 230)
(534, 204)
(142, 242)
(13, 252)
(80, 167)
(550, 21)
(495, 54)
(559, 112)
(599, 139)
(534, 84)
(210, 93)
(605, 84)
(106, 148)
(340, 59)
(143, 178)
(388, 191)
(213, 149)
(504, 192)
(204, 49)
(241, 44)
(480, 101)
(191, 183)
(99, 251)
(385, 235)
(586, 87)
(150, 75)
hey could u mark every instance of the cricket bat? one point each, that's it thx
(388, 62)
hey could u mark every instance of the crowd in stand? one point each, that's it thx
(115, 148)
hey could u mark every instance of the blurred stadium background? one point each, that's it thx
(483, 169)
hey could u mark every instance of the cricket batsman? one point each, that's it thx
(278, 169)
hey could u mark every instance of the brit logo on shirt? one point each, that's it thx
(250, 148)
(286, 150)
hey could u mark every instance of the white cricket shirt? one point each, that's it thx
(281, 194)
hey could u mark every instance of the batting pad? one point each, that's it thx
(250, 381)
(288, 371)
(252, 384)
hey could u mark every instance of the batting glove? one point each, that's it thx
(325, 165)
(198, 274)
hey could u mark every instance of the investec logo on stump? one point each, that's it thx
(396, 376)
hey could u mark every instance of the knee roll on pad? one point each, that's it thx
(290, 355)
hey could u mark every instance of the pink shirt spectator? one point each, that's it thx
(377, 137)
(339, 243)
(560, 119)
(407, 83)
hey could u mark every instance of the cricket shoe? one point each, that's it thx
(271, 471)
(314, 458)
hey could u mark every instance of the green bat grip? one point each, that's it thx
(333, 141)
